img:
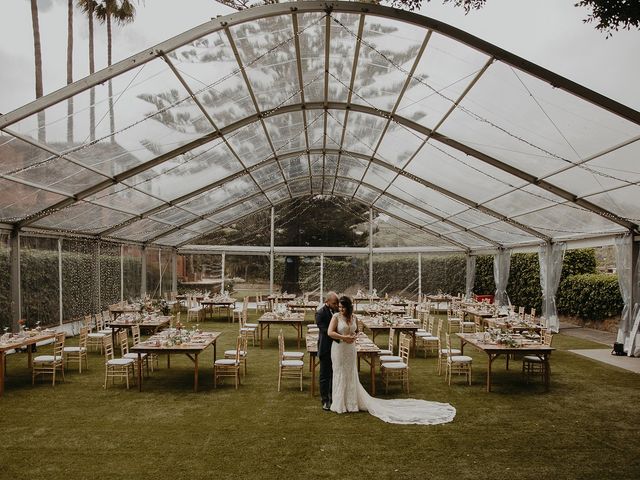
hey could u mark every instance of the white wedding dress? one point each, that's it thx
(350, 396)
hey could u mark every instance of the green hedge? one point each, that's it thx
(590, 296)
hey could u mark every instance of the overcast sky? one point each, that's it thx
(547, 32)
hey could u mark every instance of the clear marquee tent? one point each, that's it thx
(480, 150)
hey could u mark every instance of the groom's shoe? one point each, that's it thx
(326, 406)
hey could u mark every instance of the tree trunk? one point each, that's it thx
(37, 50)
(112, 120)
(70, 71)
(92, 69)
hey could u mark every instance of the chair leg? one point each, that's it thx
(279, 377)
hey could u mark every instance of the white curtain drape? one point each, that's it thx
(501, 265)
(471, 276)
(550, 257)
(627, 280)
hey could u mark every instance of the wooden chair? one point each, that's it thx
(96, 339)
(454, 319)
(431, 340)
(533, 365)
(288, 368)
(444, 354)
(123, 339)
(460, 364)
(398, 370)
(193, 309)
(251, 329)
(229, 354)
(236, 313)
(77, 354)
(49, 364)
(387, 356)
(261, 304)
(116, 367)
(228, 367)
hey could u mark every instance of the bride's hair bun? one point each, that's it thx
(347, 304)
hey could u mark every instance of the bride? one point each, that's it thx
(350, 396)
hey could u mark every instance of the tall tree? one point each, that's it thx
(89, 9)
(121, 12)
(37, 50)
(70, 70)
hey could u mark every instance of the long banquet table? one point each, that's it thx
(494, 350)
(20, 341)
(376, 325)
(157, 344)
(364, 347)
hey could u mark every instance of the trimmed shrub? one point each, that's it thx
(590, 296)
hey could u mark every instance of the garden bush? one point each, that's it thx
(590, 296)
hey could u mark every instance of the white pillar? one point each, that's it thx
(121, 273)
(370, 250)
(143, 280)
(60, 278)
(174, 273)
(222, 272)
(271, 251)
(160, 270)
(321, 276)
(419, 276)
(16, 295)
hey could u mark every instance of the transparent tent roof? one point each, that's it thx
(475, 147)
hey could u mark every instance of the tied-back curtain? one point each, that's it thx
(550, 257)
(623, 267)
(471, 276)
(501, 265)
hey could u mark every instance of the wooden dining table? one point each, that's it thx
(208, 304)
(18, 341)
(377, 324)
(294, 319)
(365, 348)
(159, 344)
(494, 350)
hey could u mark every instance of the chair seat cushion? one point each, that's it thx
(292, 363)
(293, 354)
(74, 349)
(97, 335)
(251, 325)
(47, 358)
(428, 338)
(461, 359)
(232, 353)
(532, 358)
(390, 358)
(395, 366)
(454, 351)
(226, 362)
(385, 352)
(134, 356)
(120, 362)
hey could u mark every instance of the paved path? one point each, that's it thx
(599, 336)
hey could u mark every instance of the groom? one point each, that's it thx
(323, 318)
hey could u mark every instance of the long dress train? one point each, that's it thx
(350, 396)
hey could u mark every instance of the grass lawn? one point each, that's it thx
(586, 427)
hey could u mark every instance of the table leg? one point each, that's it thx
(547, 372)
(492, 357)
(373, 374)
(168, 361)
(2, 368)
(195, 373)
(214, 352)
(298, 327)
(261, 335)
(29, 356)
(139, 372)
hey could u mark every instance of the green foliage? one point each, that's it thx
(578, 262)
(5, 285)
(590, 296)
(484, 283)
(524, 281)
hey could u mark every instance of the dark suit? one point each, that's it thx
(323, 318)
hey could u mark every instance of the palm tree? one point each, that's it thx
(122, 12)
(88, 7)
(37, 49)
(70, 70)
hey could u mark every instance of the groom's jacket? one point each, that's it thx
(323, 318)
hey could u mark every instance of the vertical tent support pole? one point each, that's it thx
(174, 273)
(419, 276)
(60, 278)
(143, 280)
(160, 270)
(98, 302)
(271, 251)
(121, 273)
(321, 276)
(16, 298)
(370, 250)
(222, 272)
(634, 301)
